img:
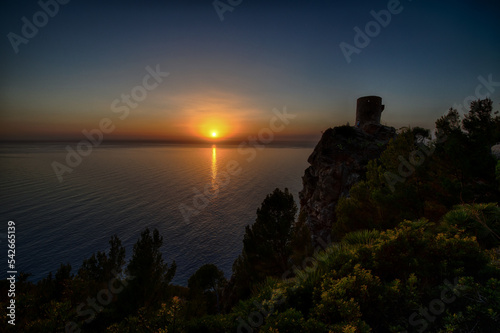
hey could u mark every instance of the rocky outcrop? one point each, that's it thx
(337, 163)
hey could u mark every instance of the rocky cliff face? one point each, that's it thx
(338, 162)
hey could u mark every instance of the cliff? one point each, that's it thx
(338, 162)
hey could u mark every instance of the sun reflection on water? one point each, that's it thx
(214, 166)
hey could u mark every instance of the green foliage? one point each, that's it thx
(207, 277)
(150, 275)
(477, 309)
(301, 240)
(267, 244)
(169, 317)
(291, 321)
(52, 318)
(210, 324)
(344, 299)
(464, 156)
(362, 237)
(479, 220)
(62, 278)
(356, 212)
(207, 283)
(386, 198)
(416, 177)
(101, 267)
(378, 281)
(479, 124)
(497, 173)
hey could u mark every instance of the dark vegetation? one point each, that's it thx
(416, 248)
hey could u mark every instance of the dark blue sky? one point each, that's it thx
(230, 74)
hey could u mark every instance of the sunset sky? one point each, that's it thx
(227, 76)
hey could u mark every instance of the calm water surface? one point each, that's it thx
(124, 189)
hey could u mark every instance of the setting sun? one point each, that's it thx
(213, 128)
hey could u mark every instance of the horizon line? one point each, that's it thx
(305, 143)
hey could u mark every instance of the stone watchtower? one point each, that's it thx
(369, 110)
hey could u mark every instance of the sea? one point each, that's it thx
(199, 197)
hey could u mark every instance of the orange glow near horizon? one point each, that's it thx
(200, 114)
(213, 129)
